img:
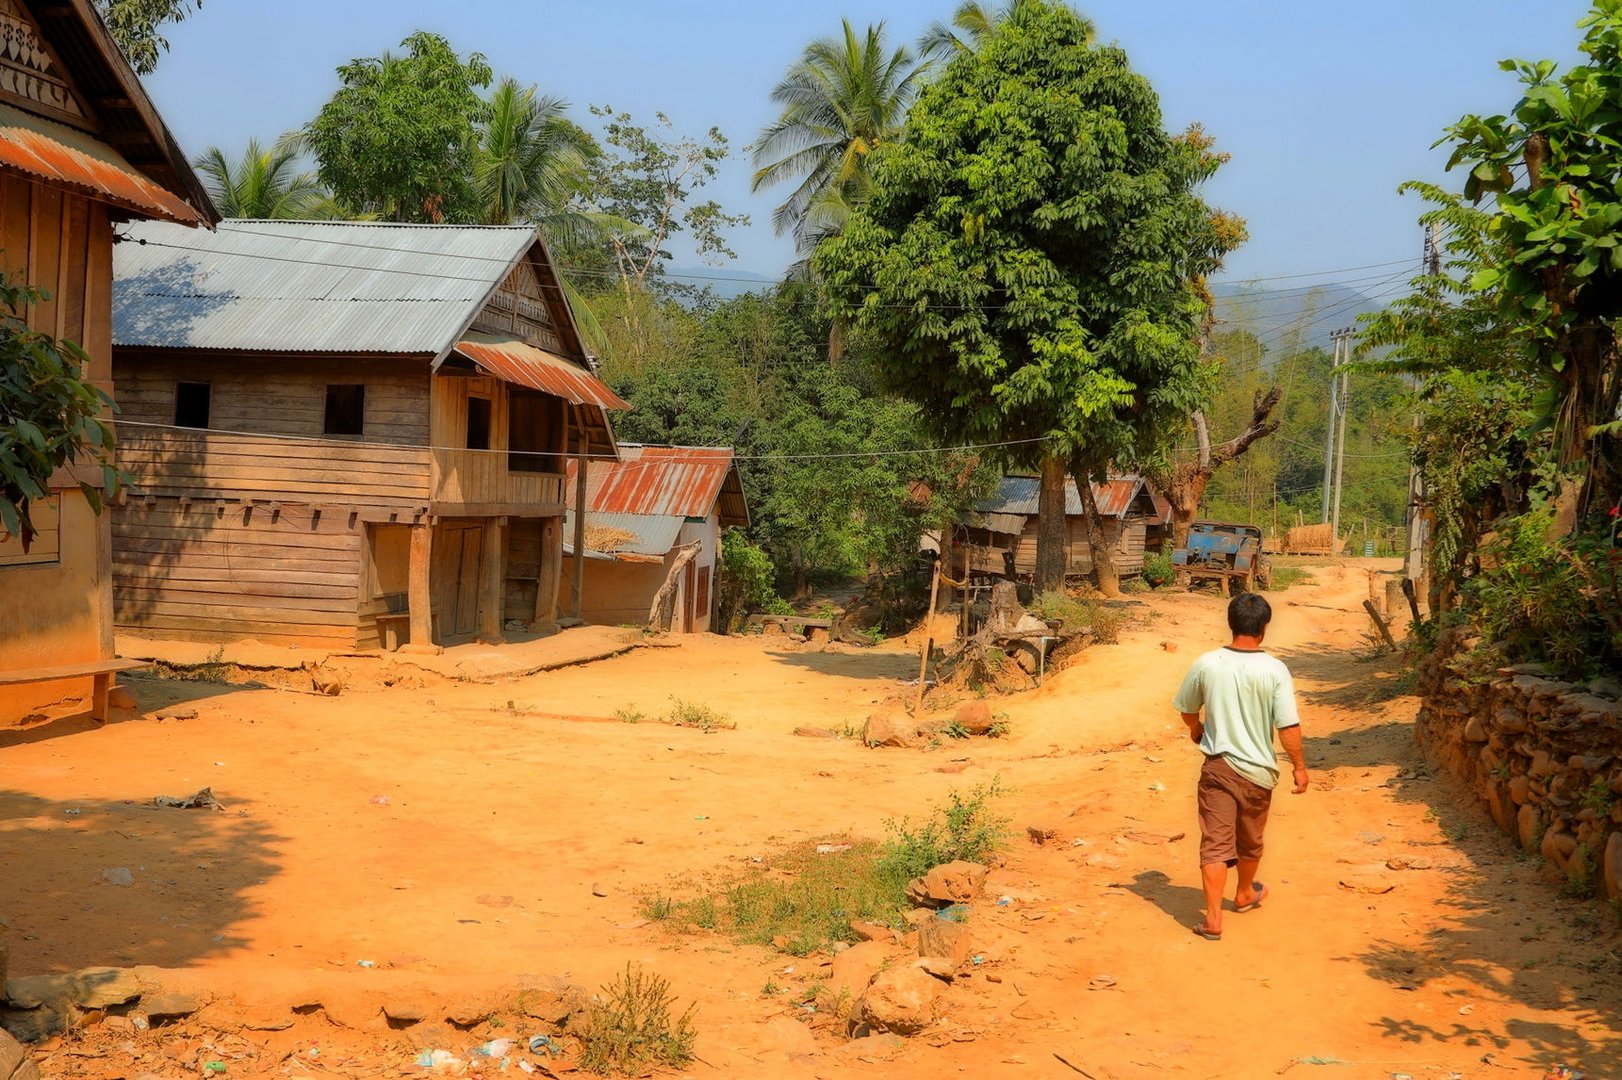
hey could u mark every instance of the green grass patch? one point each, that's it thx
(1075, 613)
(1285, 576)
(802, 900)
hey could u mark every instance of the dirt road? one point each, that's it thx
(456, 837)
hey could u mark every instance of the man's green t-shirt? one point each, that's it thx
(1247, 695)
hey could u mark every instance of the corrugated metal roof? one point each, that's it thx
(688, 481)
(654, 534)
(1007, 524)
(1019, 495)
(56, 152)
(516, 361)
(307, 286)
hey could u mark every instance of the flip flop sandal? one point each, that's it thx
(1206, 934)
(1261, 894)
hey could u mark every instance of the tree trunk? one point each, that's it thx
(1105, 576)
(1051, 554)
(1185, 492)
(1184, 485)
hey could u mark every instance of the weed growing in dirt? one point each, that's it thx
(800, 900)
(1000, 727)
(213, 669)
(1105, 622)
(964, 828)
(955, 729)
(657, 907)
(1581, 876)
(629, 1029)
(695, 714)
(1285, 576)
(628, 715)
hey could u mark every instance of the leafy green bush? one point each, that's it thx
(629, 1028)
(964, 828)
(746, 582)
(1074, 613)
(1557, 602)
(1157, 570)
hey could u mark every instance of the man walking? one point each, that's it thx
(1247, 695)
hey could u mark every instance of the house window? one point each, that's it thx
(534, 422)
(478, 423)
(346, 410)
(191, 404)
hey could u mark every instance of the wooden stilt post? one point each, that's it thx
(1379, 623)
(581, 462)
(492, 576)
(551, 577)
(929, 642)
(418, 599)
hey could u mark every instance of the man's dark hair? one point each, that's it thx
(1248, 614)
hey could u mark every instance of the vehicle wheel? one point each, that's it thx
(1264, 574)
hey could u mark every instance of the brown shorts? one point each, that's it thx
(1233, 813)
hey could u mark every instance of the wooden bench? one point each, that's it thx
(102, 671)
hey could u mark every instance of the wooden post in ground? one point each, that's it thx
(418, 600)
(551, 577)
(492, 576)
(1379, 623)
(929, 642)
(581, 462)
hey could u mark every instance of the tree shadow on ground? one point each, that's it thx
(92, 882)
(1502, 929)
(1346, 679)
(852, 665)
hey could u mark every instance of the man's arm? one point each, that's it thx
(1196, 730)
(1291, 738)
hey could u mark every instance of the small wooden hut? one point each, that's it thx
(81, 150)
(1000, 532)
(349, 434)
(642, 512)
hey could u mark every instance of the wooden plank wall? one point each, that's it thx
(62, 243)
(1126, 538)
(467, 476)
(210, 465)
(290, 577)
(276, 395)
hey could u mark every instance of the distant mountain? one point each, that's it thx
(1283, 317)
(724, 281)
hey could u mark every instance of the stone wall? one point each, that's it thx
(1544, 755)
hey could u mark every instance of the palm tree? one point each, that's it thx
(972, 23)
(532, 160)
(265, 183)
(844, 97)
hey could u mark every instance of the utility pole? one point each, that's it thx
(1343, 357)
(1413, 565)
(1329, 437)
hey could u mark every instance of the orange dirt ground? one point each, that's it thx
(454, 835)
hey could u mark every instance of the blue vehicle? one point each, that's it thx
(1226, 551)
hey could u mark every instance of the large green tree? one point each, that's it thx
(264, 182)
(843, 98)
(136, 26)
(1030, 266)
(533, 162)
(1552, 255)
(399, 138)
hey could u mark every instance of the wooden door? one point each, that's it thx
(458, 550)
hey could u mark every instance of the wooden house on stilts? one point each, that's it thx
(350, 434)
(81, 150)
(1000, 532)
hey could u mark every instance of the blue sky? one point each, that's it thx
(1325, 107)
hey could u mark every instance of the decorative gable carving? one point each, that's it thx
(520, 308)
(29, 74)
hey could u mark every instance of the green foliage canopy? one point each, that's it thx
(134, 24)
(264, 183)
(1031, 263)
(398, 138)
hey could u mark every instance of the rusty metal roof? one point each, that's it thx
(55, 152)
(516, 361)
(685, 481)
(650, 534)
(1116, 497)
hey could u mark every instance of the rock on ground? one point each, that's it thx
(854, 968)
(945, 940)
(974, 717)
(891, 729)
(949, 883)
(15, 1064)
(902, 1000)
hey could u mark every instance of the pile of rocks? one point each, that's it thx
(37, 1007)
(893, 726)
(902, 995)
(1545, 755)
